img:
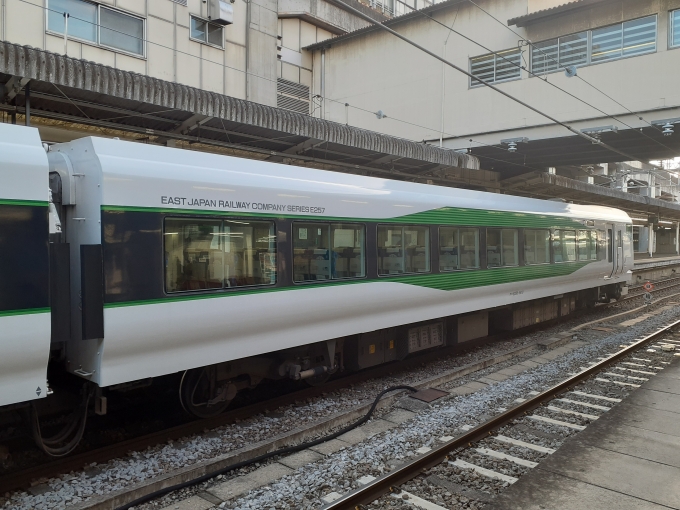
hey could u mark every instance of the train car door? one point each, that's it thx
(619, 249)
(611, 249)
(615, 248)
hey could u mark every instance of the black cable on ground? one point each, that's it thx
(265, 456)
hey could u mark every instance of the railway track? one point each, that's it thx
(24, 478)
(668, 283)
(492, 451)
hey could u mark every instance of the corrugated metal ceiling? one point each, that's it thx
(67, 88)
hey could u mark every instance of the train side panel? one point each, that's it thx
(25, 320)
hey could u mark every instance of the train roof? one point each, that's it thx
(137, 175)
(23, 166)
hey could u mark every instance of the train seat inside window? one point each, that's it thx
(403, 249)
(325, 251)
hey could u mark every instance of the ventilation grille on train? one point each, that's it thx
(292, 96)
(181, 2)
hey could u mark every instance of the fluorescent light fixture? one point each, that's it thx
(599, 130)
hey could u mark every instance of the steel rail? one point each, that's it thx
(655, 283)
(389, 481)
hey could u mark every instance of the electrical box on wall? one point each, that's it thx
(220, 12)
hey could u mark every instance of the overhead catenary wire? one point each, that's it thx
(484, 82)
(528, 69)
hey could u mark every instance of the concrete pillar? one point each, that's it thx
(261, 61)
(643, 240)
(677, 236)
(652, 240)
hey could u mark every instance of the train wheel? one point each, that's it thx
(318, 380)
(617, 293)
(201, 395)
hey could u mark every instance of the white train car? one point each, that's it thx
(229, 270)
(265, 270)
(25, 320)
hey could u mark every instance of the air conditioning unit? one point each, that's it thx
(220, 12)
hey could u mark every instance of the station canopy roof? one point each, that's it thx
(86, 93)
(645, 144)
(550, 186)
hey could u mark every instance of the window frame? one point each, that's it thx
(550, 256)
(472, 85)
(206, 42)
(329, 225)
(502, 264)
(428, 248)
(98, 26)
(557, 235)
(458, 228)
(224, 288)
(671, 33)
(589, 49)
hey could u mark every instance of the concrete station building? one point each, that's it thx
(312, 82)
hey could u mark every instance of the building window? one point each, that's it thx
(675, 28)
(628, 39)
(495, 67)
(97, 24)
(203, 254)
(570, 50)
(205, 32)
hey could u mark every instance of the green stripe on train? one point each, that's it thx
(446, 281)
(25, 203)
(27, 311)
(442, 216)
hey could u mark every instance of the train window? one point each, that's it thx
(311, 256)
(610, 245)
(348, 253)
(583, 242)
(323, 251)
(214, 254)
(537, 247)
(469, 248)
(403, 249)
(502, 248)
(564, 245)
(593, 245)
(448, 249)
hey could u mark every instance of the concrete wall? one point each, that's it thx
(379, 72)
(170, 53)
(296, 64)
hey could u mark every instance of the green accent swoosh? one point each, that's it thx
(496, 276)
(27, 311)
(457, 280)
(29, 203)
(442, 216)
